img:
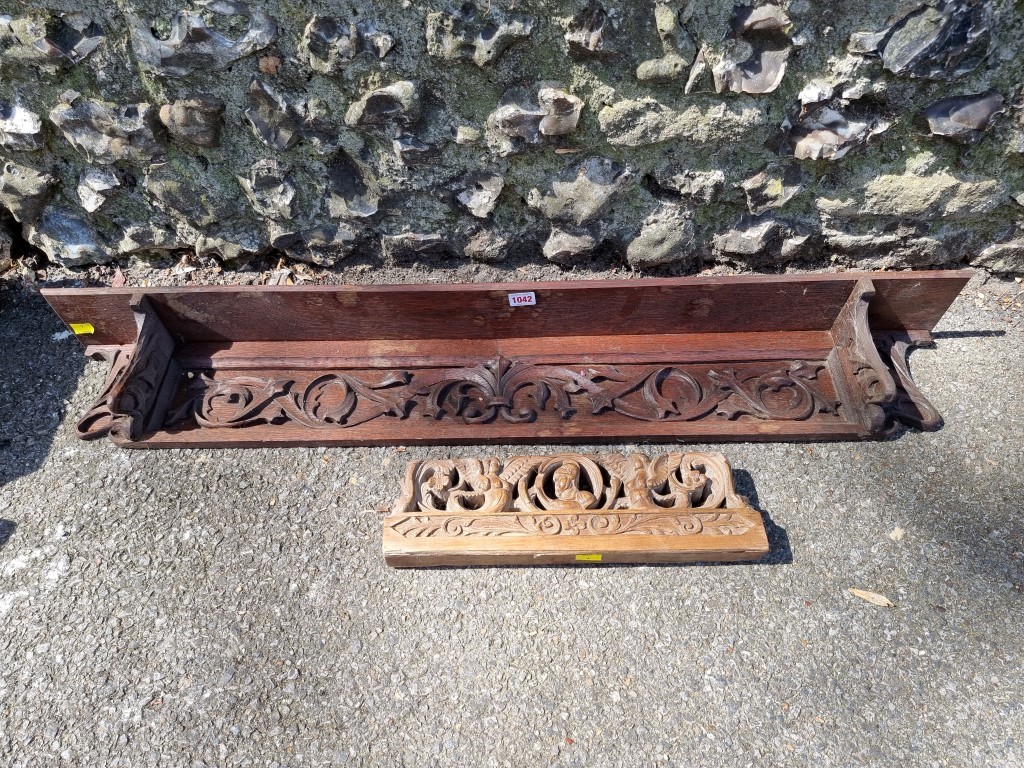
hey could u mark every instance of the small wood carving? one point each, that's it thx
(568, 508)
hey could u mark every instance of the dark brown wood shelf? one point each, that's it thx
(794, 357)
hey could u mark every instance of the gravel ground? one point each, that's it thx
(232, 608)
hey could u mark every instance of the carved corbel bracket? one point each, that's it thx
(910, 406)
(567, 508)
(865, 385)
(140, 384)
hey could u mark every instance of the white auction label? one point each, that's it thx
(524, 299)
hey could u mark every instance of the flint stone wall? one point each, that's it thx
(669, 134)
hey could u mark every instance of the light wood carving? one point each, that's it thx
(567, 508)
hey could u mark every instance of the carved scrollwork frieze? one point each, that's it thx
(500, 390)
(570, 483)
(571, 495)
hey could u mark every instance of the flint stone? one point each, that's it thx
(512, 127)
(323, 245)
(91, 186)
(149, 238)
(51, 41)
(753, 57)
(891, 249)
(568, 246)
(110, 133)
(964, 119)
(193, 46)
(795, 247)
(66, 238)
(697, 186)
(773, 186)
(352, 192)
(474, 35)
(562, 111)
(1002, 258)
(25, 191)
(412, 151)
(488, 247)
(750, 242)
(398, 103)
(677, 45)
(20, 129)
(585, 33)
(197, 120)
(274, 120)
(667, 236)
(229, 247)
(410, 246)
(827, 134)
(580, 192)
(188, 194)
(480, 192)
(940, 40)
(517, 123)
(269, 189)
(664, 70)
(329, 44)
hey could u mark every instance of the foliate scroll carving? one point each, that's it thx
(98, 420)
(866, 387)
(678, 494)
(140, 383)
(500, 390)
(910, 406)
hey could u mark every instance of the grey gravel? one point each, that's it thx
(232, 608)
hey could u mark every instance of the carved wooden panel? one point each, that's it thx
(501, 390)
(751, 358)
(570, 508)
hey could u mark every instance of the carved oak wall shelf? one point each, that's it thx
(794, 357)
(570, 508)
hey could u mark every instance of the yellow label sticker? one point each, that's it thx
(80, 329)
(588, 558)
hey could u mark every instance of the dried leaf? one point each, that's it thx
(566, 151)
(118, 280)
(872, 597)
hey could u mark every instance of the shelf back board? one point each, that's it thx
(733, 304)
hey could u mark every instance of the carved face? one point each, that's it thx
(565, 479)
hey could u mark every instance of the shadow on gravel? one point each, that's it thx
(779, 552)
(967, 334)
(38, 375)
(7, 528)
